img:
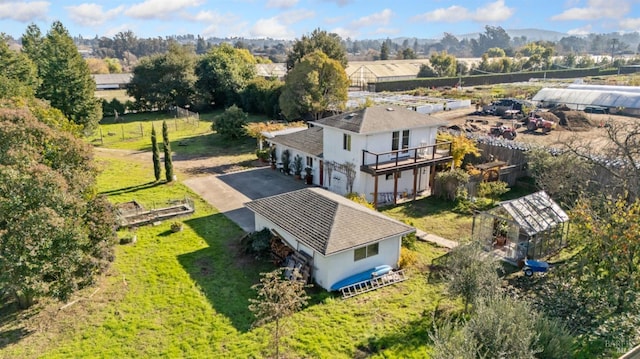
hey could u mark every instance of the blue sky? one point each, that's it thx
(289, 19)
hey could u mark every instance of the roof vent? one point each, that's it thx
(349, 116)
(389, 108)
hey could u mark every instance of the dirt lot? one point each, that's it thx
(589, 132)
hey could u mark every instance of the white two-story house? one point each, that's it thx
(383, 152)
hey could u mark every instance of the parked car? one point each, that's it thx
(596, 109)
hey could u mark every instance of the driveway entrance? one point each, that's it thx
(229, 192)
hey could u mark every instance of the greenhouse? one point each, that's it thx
(532, 226)
(363, 73)
(618, 99)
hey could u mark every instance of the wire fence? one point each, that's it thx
(183, 121)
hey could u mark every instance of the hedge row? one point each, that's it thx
(490, 79)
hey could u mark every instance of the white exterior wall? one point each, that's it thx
(331, 269)
(316, 162)
(339, 266)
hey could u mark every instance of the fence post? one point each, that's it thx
(101, 138)
(141, 130)
(176, 123)
(122, 127)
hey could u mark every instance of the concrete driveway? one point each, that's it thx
(229, 192)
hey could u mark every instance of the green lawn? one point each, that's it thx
(186, 295)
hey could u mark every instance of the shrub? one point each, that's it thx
(257, 244)
(263, 155)
(492, 190)
(409, 241)
(359, 198)
(285, 157)
(297, 165)
(176, 227)
(231, 123)
(450, 185)
(407, 258)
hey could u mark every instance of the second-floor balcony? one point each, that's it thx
(377, 163)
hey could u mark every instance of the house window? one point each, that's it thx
(395, 140)
(389, 176)
(309, 161)
(405, 139)
(365, 252)
(346, 142)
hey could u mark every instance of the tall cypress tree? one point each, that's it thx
(66, 80)
(156, 153)
(168, 164)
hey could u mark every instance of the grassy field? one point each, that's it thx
(186, 294)
(120, 95)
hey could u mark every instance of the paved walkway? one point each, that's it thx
(432, 238)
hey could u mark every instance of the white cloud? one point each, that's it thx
(386, 31)
(92, 14)
(333, 20)
(380, 18)
(271, 27)
(24, 11)
(340, 2)
(293, 16)
(209, 16)
(281, 4)
(585, 30)
(595, 9)
(112, 31)
(491, 12)
(346, 33)
(160, 9)
(630, 24)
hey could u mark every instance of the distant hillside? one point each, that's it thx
(531, 34)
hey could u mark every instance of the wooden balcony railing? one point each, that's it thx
(377, 163)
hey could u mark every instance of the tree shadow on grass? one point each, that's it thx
(11, 331)
(411, 337)
(222, 273)
(133, 188)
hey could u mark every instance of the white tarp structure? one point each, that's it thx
(616, 98)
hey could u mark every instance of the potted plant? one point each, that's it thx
(500, 231)
(297, 166)
(308, 175)
(274, 158)
(286, 161)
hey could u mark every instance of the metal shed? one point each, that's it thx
(532, 226)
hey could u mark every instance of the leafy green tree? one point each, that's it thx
(168, 162)
(384, 51)
(223, 73)
(19, 76)
(444, 64)
(114, 65)
(315, 85)
(495, 52)
(278, 298)
(427, 71)
(471, 274)
(66, 81)
(161, 81)
(492, 37)
(502, 327)
(155, 153)
(408, 54)
(55, 234)
(261, 96)
(231, 124)
(329, 43)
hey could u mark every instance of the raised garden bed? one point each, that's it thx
(132, 214)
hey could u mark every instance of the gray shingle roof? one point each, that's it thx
(105, 79)
(308, 141)
(377, 119)
(325, 221)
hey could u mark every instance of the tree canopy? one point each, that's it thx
(19, 76)
(66, 81)
(55, 234)
(443, 63)
(315, 85)
(161, 81)
(223, 72)
(329, 43)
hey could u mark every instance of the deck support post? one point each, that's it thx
(395, 187)
(415, 183)
(375, 191)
